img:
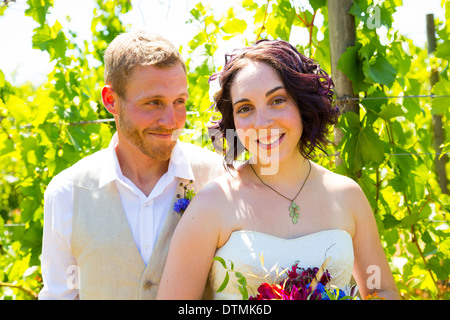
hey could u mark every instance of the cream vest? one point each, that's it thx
(110, 265)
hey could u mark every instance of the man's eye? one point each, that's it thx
(153, 102)
(180, 101)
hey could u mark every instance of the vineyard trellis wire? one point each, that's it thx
(344, 99)
(397, 163)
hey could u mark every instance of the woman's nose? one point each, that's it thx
(263, 119)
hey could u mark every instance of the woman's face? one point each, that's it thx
(267, 120)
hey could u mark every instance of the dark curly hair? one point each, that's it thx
(310, 87)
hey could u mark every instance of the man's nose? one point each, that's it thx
(167, 118)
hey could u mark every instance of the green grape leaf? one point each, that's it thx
(381, 71)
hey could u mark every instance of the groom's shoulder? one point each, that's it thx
(200, 155)
(66, 176)
(62, 182)
(206, 165)
(93, 161)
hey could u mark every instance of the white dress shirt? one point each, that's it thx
(145, 216)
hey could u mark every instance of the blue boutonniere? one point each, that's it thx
(182, 203)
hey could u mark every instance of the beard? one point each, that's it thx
(160, 152)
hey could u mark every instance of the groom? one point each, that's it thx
(109, 218)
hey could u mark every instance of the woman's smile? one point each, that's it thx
(270, 142)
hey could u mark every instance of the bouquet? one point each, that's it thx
(305, 284)
(300, 284)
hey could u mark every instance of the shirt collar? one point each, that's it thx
(179, 164)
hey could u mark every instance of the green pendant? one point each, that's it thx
(293, 212)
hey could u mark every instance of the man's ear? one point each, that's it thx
(109, 99)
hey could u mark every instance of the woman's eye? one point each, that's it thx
(243, 109)
(277, 101)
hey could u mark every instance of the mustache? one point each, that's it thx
(158, 130)
(174, 133)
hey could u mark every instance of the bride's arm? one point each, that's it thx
(371, 269)
(192, 249)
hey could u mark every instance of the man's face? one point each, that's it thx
(154, 110)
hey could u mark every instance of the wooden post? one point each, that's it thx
(342, 35)
(438, 129)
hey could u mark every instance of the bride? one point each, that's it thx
(279, 204)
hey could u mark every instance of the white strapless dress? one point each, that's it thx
(245, 247)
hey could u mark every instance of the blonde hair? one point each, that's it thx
(137, 48)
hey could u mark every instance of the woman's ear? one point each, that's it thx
(109, 99)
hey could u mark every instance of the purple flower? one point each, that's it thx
(181, 205)
(300, 277)
(305, 293)
(292, 274)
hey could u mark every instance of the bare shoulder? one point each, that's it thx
(210, 195)
(344, 190)
(337, 182)
(212, 203)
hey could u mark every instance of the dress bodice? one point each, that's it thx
(245, 247)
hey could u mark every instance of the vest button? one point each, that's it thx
(148, 285)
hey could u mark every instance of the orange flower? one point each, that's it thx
(374, 296)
